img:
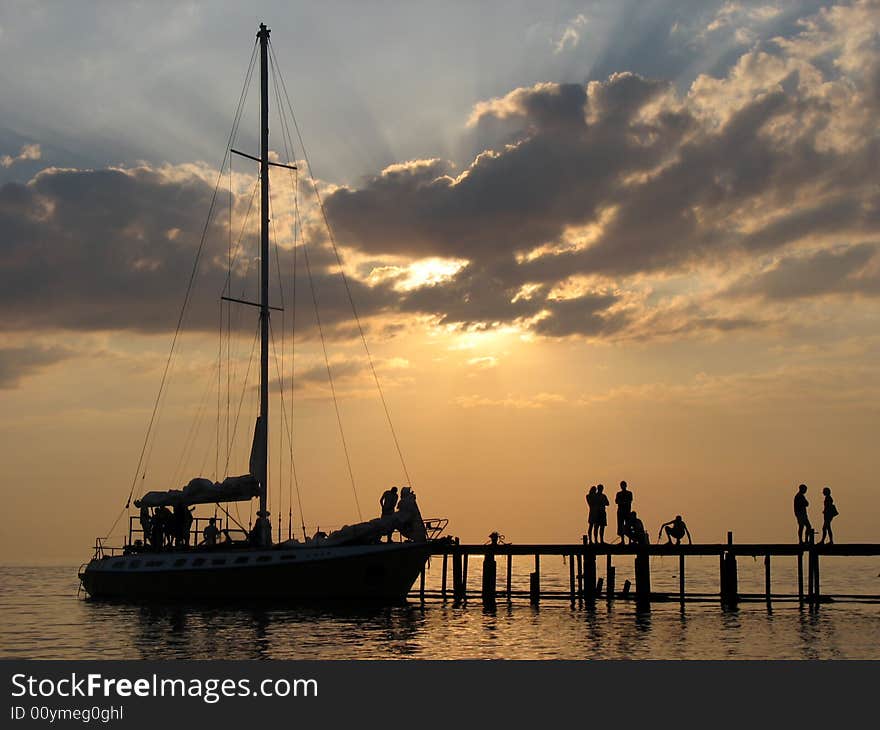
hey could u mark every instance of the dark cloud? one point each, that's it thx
(603, 182)
(840, 271)
(19, 362)
(586, 316)
(767, 158)
(113, 250)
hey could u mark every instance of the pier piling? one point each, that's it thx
(489, 580)
(535, 581)
(590, 575)
(585, 585)
(580, 576)
(457, 584)
(643, 578)
(681, 578)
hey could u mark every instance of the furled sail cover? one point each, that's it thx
(204, 491)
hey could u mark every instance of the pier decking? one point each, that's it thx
(584, 587)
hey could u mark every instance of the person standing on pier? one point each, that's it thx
(601, 502)
(805, 529)
(623, 499)
(829, 512)
(591, 513)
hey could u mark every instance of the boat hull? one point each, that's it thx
(384, 572)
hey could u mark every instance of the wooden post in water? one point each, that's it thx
(643, 578)
(767, 577)
(422, 586)
(609, 578)
(464, 577)
(610, 572)
(489, 580)
(626, 586)
(457, 592)
(509, 575)
(800, 566)
(589, 575)
(810, 591)
(681, 578)
(571, 578)
(729, 587)
(599, 584)
(814, 569)
(580, 576)
(535, 581)
(443, 577)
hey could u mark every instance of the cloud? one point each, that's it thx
(845, 270)
(518, 402)
(626, 178)
(619, 184)
(570, 36)
(27, 152)
(17, 363)
(112, 249)
(351, 375)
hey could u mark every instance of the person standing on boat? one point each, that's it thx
(146, 525)
(805, 529)
(162, 527)
(829, 512)
(211, 533)
(388, 501)
(182, 524)
(601, 514)
(623, 499)
(591, 514)
(261, 533)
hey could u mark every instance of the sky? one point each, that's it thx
(586, 242)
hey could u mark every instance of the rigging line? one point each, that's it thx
(330, 379)
(227, 287)
(188, 291)
(227, 158)
(281, 373)
(297, 228)
(219, 394)
(283, 413)
(342, 274)
(243, 392)
(192, 435)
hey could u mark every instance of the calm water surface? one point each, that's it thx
(41, 617)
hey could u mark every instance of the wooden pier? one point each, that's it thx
(585, 588)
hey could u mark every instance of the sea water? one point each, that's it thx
(42, 616)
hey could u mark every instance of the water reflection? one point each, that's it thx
(41, 618)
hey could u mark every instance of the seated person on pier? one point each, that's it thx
(635, 530)
(675, 529)
(211, 533)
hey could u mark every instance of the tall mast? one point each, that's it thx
(263, 450)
